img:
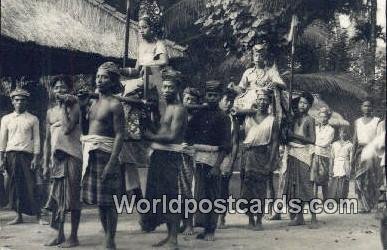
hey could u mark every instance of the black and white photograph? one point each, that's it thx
(193, 124)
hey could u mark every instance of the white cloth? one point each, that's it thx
(253, 79)
(147, 52)
(20, 132)
(366, 131)
(376, 148)
(324, 138)
(94, 142)
(341, 158)
(258, 134)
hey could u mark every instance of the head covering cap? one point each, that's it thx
(19, 92)
(214, 86)
(169, 74)
(114, 72)
(192, 91)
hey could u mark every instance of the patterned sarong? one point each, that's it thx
(164, 178)
(367, 175)
(320, 169)
(21, 185)
(65, 192)
(96, 191)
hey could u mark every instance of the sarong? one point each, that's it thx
(65, 191)
(3, 194)
(96, 191)
(206, 187)
(163, 179)
(320, 170)
(254, 186)
(255, 174)
(21, 185)
(338, 188)
(297, 184)
(367, 176)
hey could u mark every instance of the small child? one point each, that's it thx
(340, 165)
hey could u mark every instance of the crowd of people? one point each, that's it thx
(94, 143)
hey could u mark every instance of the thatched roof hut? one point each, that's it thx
(37, 32)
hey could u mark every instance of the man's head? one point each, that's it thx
(304, 102)
(191, 96)
(171, 83)
(61, 85)
(108, 79)
(324, 115)
(213, 92)
(367, 107)
(19, 99)
(259, 54)
(263, 100)
(227, 100)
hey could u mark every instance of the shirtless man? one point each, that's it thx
(63, 159)
(101, 149)
(167, 159)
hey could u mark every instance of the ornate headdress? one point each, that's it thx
(151, 12)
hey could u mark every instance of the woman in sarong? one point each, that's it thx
(297, 159)
(367, 172)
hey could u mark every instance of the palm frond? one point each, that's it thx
(334, 84)
(316, 34)
(183, 14)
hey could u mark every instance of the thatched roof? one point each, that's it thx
(80, 25)
(335, 84)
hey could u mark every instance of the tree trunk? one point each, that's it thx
(372, 43)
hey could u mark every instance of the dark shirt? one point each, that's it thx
(210, 127)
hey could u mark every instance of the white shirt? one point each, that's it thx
(341, 157)
(324, 138)
(20, 132)
(366, 132)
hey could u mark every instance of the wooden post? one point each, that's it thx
(127, 30)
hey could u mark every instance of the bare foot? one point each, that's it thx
(251, 223)
(297, 222)
(201, 236)
(209, 237)
(188, 231)
(17, 220)
(222, 225)
(110, 244)
(274, 216)
(258, 227)
(69, 243)
(43, 222)
(172, 244)
(55, 242)
(314, 225)
(161, 243)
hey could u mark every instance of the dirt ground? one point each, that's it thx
(336, 232)
(348, 232)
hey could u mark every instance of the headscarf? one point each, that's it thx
(114, 74)
(19, 92)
